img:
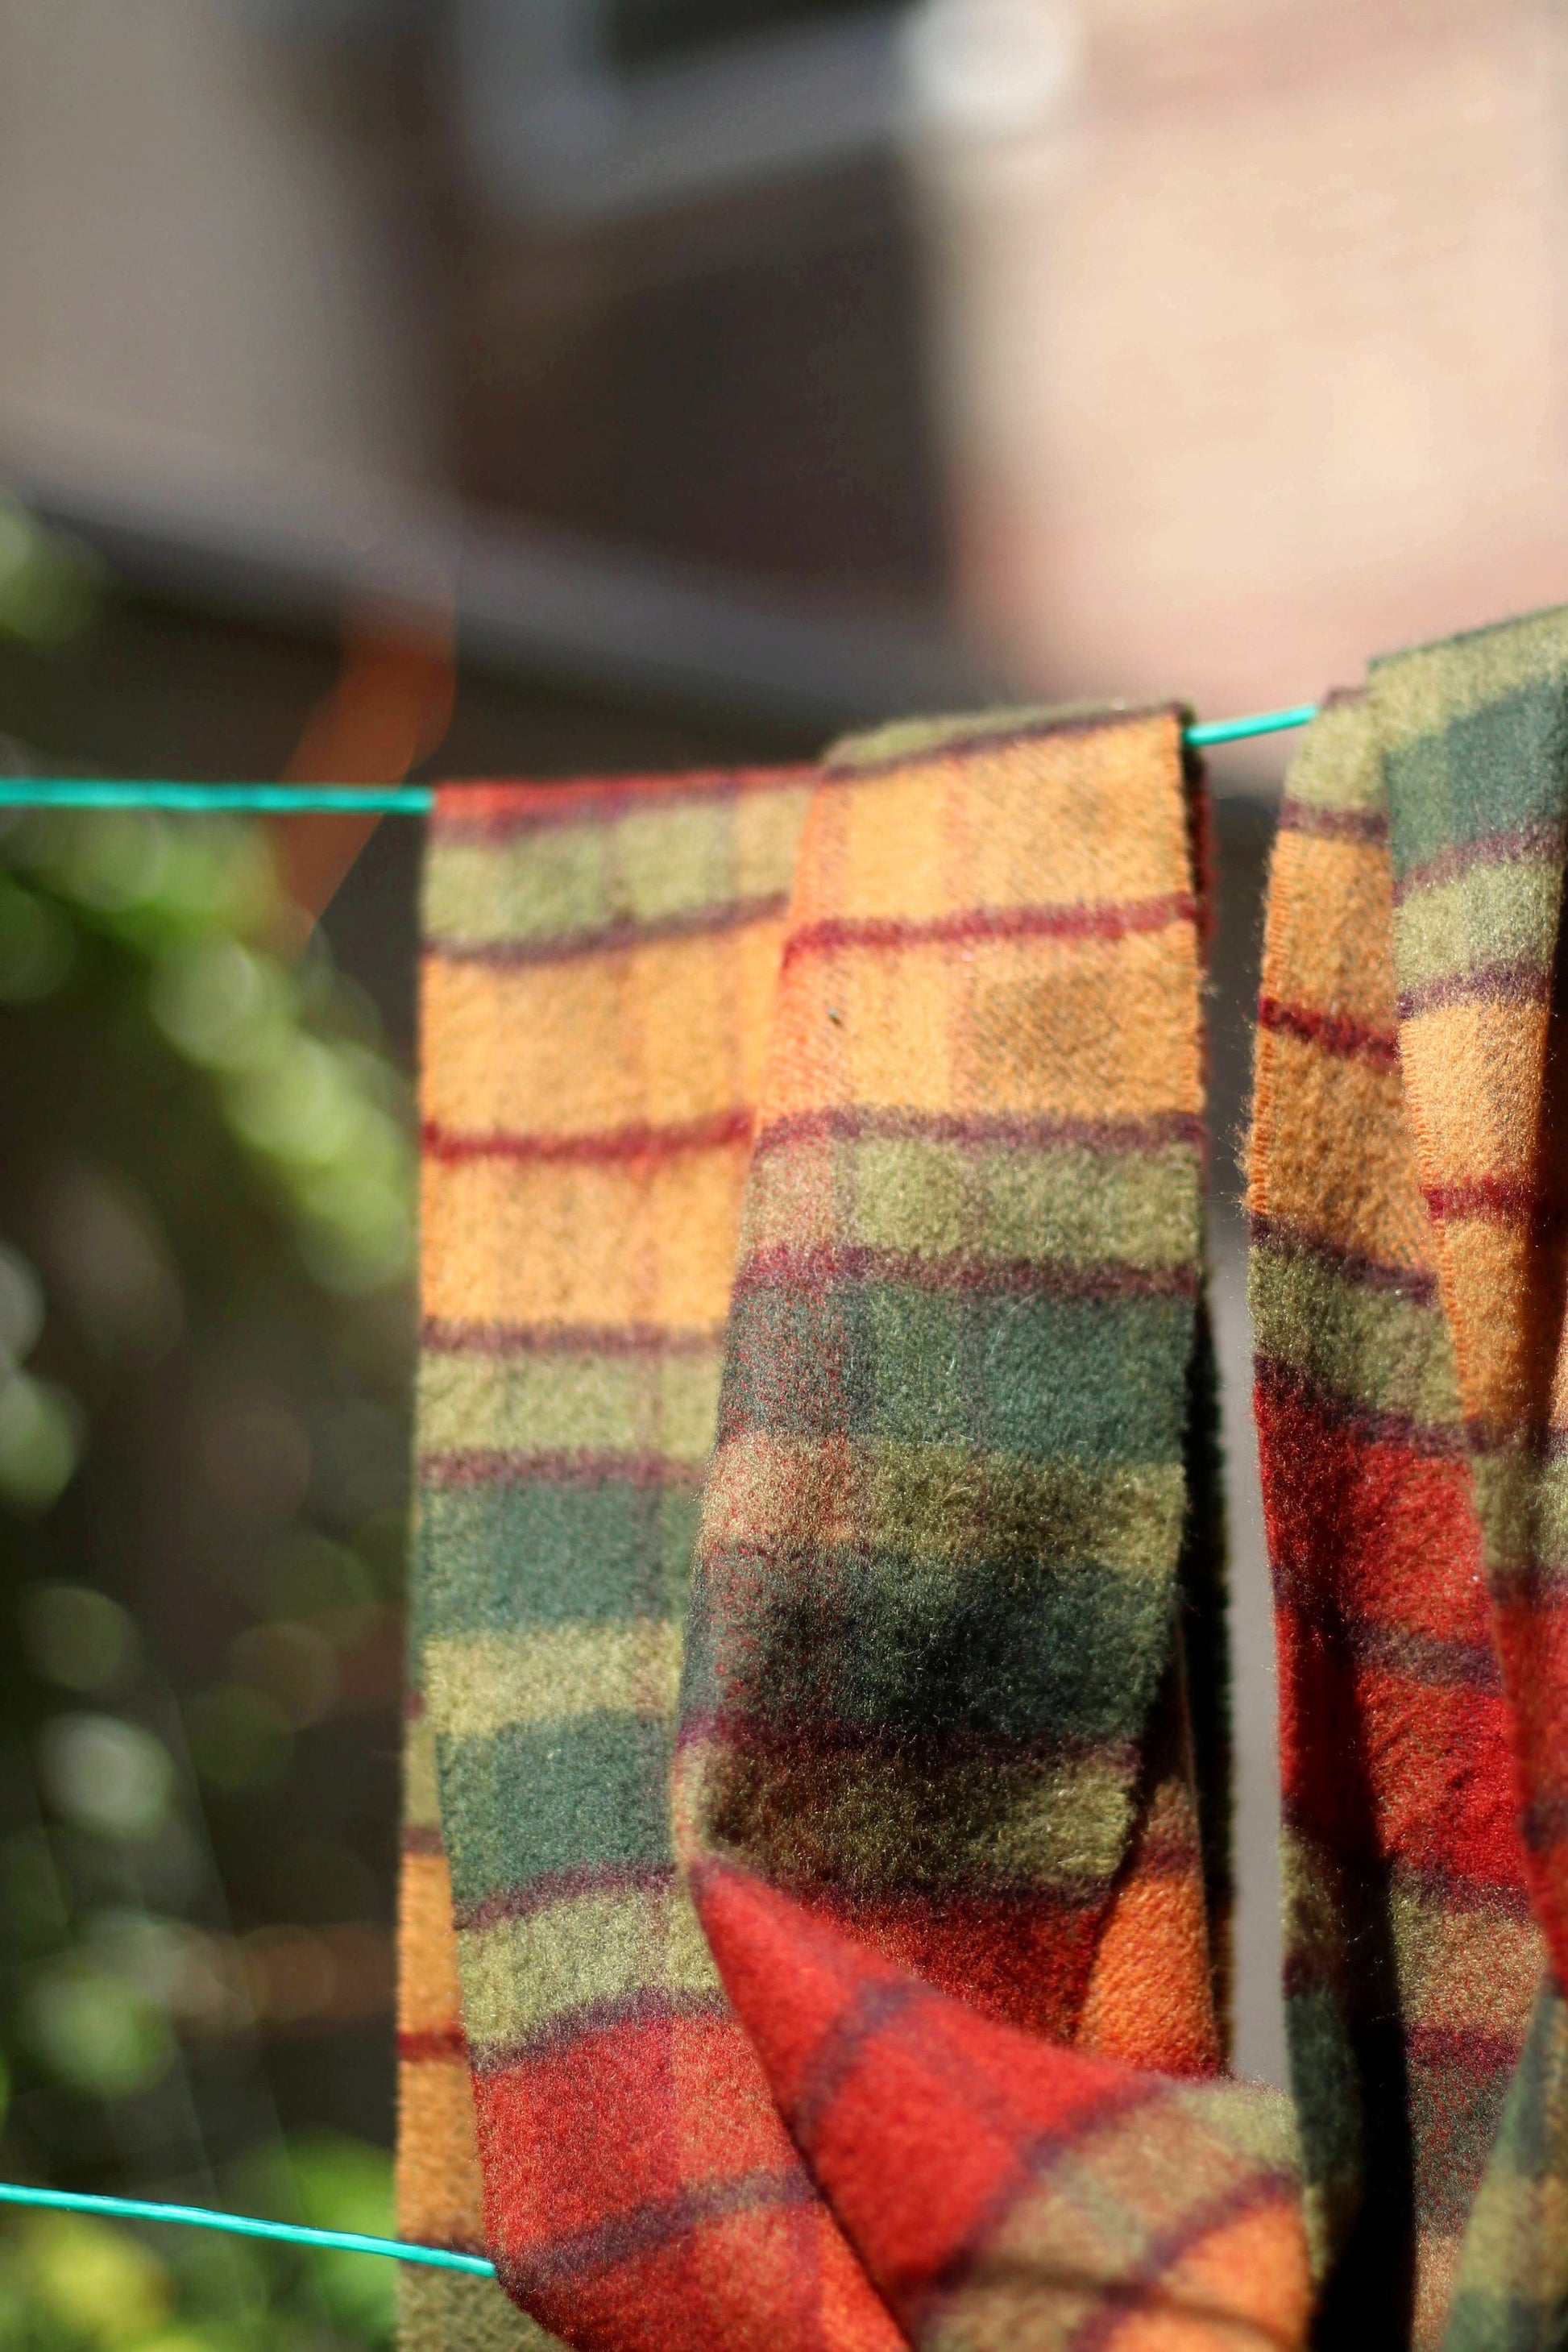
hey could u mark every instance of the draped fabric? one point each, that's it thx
(1408, 1160)
(815, 1896)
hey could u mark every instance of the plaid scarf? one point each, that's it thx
(1406, 1184)
(815, 1903)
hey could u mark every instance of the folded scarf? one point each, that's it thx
(820, 1741)
(1408, 1159)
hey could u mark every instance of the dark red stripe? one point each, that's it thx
(1332, 823)
(1283, 1239)
(838, 1749)
(606, 2018)
(504, 1466)
(1334, 1033)
(1498, 1200)
(1518, 982)
(1111, 1135)
(643, 2230)
(606, 1148)
(563, 1886)
(1467, 2049)
(637, 1339)
(609, 939)
(1514, 846)
(808, 1271)
(1461, 1893)
(1407, 1653)
(1106, 921)
(1282, 1385)
(447, 2045)
(485, 811)
(1142, 2286)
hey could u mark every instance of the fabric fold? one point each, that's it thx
(816, 1890)
(936, 1752)
(813, 1278)
(1407, 1186)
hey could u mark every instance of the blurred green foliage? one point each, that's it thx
(49, 580)
(205, 1242)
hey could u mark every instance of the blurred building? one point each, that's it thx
(729, 371)
(602, 323)
(1252, 341)
(1215, 346)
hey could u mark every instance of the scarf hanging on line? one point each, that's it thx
(819, 1746)
(1408, 1164)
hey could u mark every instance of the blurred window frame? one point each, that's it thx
(556, 128)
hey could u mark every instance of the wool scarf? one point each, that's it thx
(1408, 1164)
(814, 1898)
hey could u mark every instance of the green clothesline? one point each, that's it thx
(243, 2225)
(410, 800)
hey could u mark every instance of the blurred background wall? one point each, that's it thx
(707, 375)
(1252, 338)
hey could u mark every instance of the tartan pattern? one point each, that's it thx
(949, 1761)
(1407, 1295)
(580, 1201)
(934, 1791)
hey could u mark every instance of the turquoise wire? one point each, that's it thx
(243, 2225)
(409, 800)
(401, 800)
(279, 800)
(1262, 722)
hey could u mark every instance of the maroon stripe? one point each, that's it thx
(1458, 1892)
(445, 2046)
(442, 1338)
(1545, 1823)
(1335, 1033)
(610, 938)
(1283, 1239)
(1432, 1661)
(840, 2048)
(852, 1125)
(1332, 823)
(827, 1747)
(1515, 846)
(1282, 1384)
(1141, 2285)
(522, 1902)
(809, 1271)
(1467, 2049)
(1453, 1891)
(642, 2230)
(506, 1467)
(1104, 921)
(604, 2019)
(1497, 1200)
(1529, 1588)
(484, 811)
(610, 1145)
(1516, 983)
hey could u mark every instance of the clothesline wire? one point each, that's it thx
(413, 800)
(394, 800)
(242, 2225)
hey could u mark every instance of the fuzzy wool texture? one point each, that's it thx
(818, 1840)
(1407, 1287)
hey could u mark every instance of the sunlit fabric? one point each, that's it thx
(815, 1904)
